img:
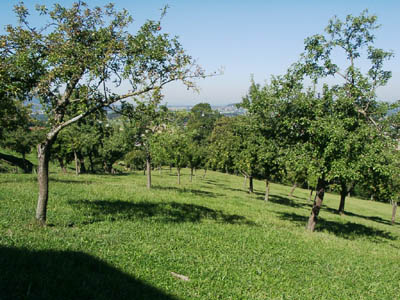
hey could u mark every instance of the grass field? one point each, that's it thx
(110, 238)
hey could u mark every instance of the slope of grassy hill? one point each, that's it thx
(110, 238)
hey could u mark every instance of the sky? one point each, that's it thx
(247, 38)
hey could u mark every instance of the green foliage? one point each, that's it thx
(201, 121)
(135, 159)
(224, 143)
(176, 142)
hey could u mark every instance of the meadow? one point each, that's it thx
(108, 237)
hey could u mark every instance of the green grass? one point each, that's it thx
(110, 238)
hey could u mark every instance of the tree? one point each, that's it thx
(249, 149)
(176, 142)
(223, 144)
(263, 145)
(71, 63)
(145, 118)
(354, 99)
(200, 124)
(201, 121)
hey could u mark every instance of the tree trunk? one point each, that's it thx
(24, 161)
(62, 166)
(251, 188)
(82, 168)
(148, 167)
(91, 167)
(310, 197)
(394, 203)
(266, 198)
(159, 170)
(76, 164)
(191, 174)
(179, 175)
(205, 172)
(292, 190)
(319, 197)
(107, 168)
(343, 194)
(43, 180)
(245, 181)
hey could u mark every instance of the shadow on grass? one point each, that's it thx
(284, 201)
(61, 275)
(370, 218)
(70, 181)
(348, 230)
(186, 190)
(101, 210)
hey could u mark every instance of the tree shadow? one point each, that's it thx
(23, 164)
(370, 218)
(348, 230)
(209, 181)
(50, 274)
(117, 174)
(170, 212)
(284, 201)
(186, 190)
(19, 179)
(70, 181)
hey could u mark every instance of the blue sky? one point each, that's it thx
(248, 37)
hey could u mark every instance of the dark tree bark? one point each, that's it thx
(266, 198)
(191, 174)
(319, 198)
(43, 180)
(292, 190)
(251, 188)
(148, 167)
(343, 194)
(205, 172)
(179, 175)
(62, 165)
(394, 205)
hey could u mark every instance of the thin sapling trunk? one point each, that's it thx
(76, 164)
(311, 193)
(266, 198)
(148, 167)
(394, 205)
(205, 172)
(292, 190)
